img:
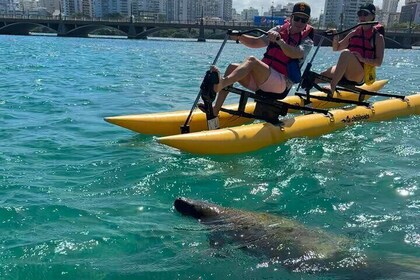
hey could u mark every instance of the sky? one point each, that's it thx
(316, 5)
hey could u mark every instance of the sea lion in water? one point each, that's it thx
(285, 241)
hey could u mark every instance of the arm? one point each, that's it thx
(343, 44)
(290, 51)
(251, 41)
(380, 48)
(258, 42)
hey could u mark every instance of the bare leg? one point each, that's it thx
(327, 73)
(221, 96)
(240, 73)
(348, 66)
(251, 66)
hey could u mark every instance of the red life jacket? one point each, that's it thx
(274, 55)
(363, 41)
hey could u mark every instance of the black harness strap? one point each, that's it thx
(274, 59)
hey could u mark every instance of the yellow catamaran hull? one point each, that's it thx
(253, 137)
(169, 123)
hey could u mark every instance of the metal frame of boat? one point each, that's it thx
(252, 137)
(169, 123)
(235, 137)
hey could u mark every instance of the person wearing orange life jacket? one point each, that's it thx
(290, 41)
(362, 49)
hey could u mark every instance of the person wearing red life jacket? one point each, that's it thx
(362, 48)
(290, 41)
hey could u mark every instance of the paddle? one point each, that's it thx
(330, 33)
(209, 81)
(308, 64)
(186, 127)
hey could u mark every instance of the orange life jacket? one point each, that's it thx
(363, 41)
(274, 55)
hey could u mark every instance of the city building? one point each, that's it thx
(227, 10)
(9, 7)
(394, 18)
(389, 7)
(410, 12)
(50, 5)
(191, 10)
(69, 7)
(87, 8)
(177, 10)
(249, 14)
(342, 14)
(172, 10)
(280, 11)
(289, 7)
(235, 15)
(321, 20)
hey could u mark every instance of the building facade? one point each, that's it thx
(50, 5)
(389, 9)
(342, 14)
(249, 14)
(177, 10)
(410, 12)
(191, 10)
(9, 7)
(172, 10)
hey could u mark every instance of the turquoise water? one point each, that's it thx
(83, 199)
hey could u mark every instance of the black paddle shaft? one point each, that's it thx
(186, 127)
(329, 33)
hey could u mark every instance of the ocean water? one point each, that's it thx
(83, 199)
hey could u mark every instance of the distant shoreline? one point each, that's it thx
(214, 37)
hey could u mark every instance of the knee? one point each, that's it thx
(346, 54)
(230, 68)
(252, 59)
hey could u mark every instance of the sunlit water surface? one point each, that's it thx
(83, 199)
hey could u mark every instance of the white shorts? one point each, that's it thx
(276, 83)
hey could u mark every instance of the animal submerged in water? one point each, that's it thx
(284, 241)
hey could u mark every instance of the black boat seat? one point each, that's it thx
(267, 110)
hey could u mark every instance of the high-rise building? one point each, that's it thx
(177, 10)
(289, 7)
(342, 14)
(227, 10)
(50, 5)
(70, 7)
(389, 7)
(87, 8)
(249, 14)
(9, 6)
(190, 10)
(410, 12)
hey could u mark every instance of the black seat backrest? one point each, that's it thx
(272, 95)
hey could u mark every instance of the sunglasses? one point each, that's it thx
(301, 19)
(362, 13)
